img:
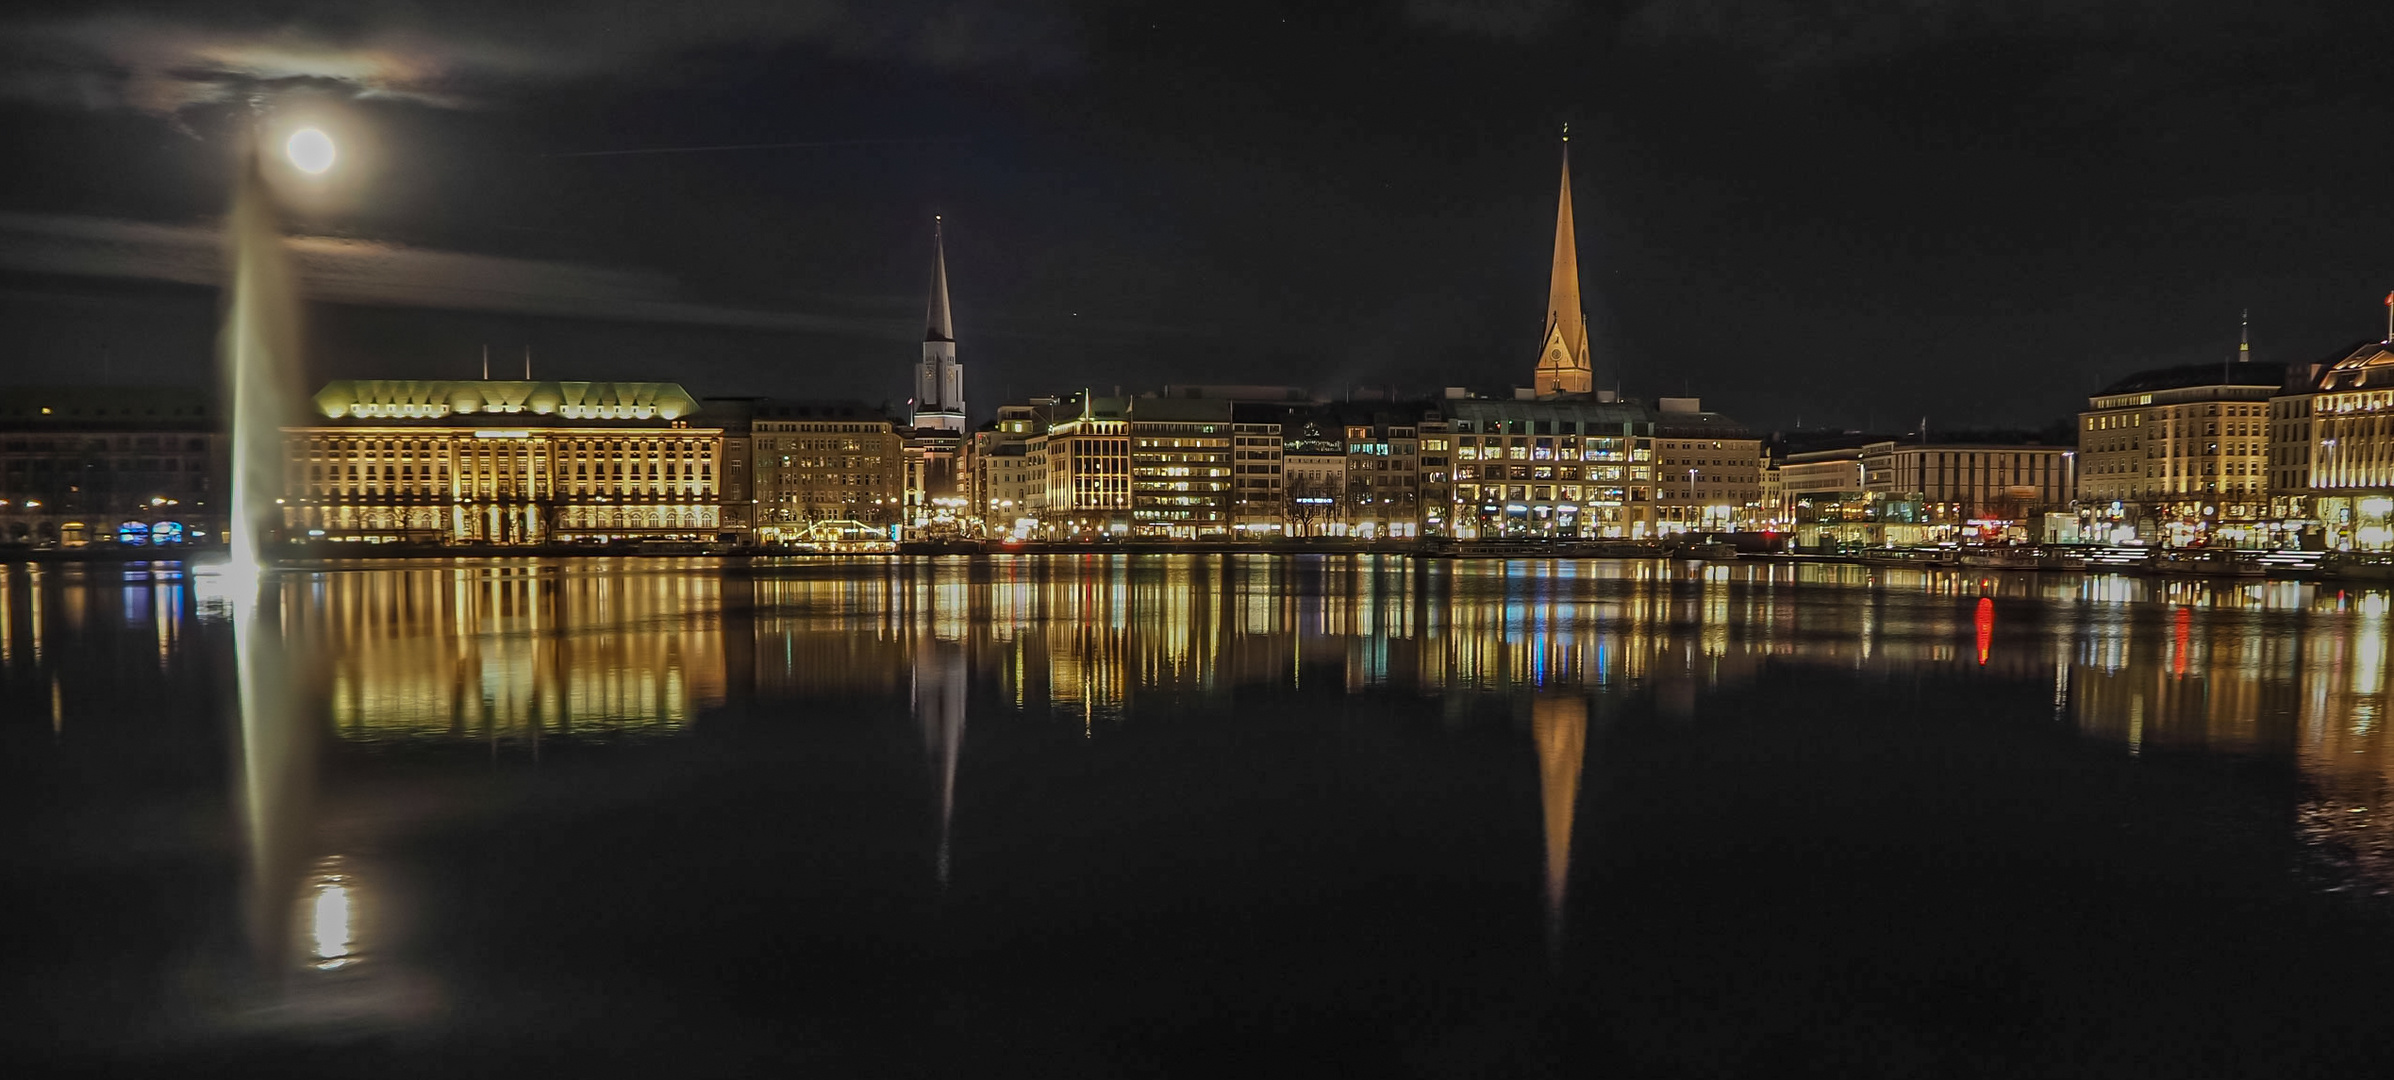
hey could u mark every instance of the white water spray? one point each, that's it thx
(258, 351)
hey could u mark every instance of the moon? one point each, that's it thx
(310, 150)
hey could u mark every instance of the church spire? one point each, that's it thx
(939, 379)
(942, 327)
(1563, 366)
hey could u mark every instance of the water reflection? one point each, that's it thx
(1559, 725)
(939, 695)
(511, 653)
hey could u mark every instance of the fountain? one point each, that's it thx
(258, 352)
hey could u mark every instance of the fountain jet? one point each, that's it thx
(258, 350)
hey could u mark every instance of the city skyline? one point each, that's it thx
(1795, 239)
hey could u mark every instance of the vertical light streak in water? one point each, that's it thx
(939, 693)
(1559, 727)
(277, 765)
(1983, 620)
(33, 614)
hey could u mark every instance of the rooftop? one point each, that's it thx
(503, 401)
(2255, 373)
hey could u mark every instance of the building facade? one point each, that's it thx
(2333, 452)
(1707, 469)
(818, 465)
(2180, 456)
(1383, 482)
(1977, 491)
(124, 466)
(1180, 467)
(1087, 452)
(1563, 467)
(503, 463)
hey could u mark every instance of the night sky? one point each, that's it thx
(1839, 213)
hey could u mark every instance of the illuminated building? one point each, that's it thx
(1563, 365)
(824, 462)
(2179, 455)
(1827, 497)
(1983, 491)
(1180, 459)
(118, 465)
(1551, 468)
(1383, 497)
(1437, 446)
(1088, 454)
(735, 472)
(486, 462)
(1259, 493)
(1313, 470)
(2332, 450)
(1707, 469)
(1006, 491)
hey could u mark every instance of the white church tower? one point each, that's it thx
(939, 381)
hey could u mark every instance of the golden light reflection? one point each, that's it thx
(506, 649)
(1559, 727)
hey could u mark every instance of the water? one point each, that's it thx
(1193, 814)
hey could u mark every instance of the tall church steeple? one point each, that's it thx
(1563, 366)
(939, 379)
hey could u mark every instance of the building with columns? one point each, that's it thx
(503, 462)
(2332, 451)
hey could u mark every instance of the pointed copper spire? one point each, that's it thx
(942, 328)
(1563, 350)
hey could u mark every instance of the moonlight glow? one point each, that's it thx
(310, 149)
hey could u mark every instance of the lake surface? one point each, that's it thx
(1192, 815)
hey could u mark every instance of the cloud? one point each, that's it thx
(1802, 34)
(391, 275)
(161, 58)
(1505, 20)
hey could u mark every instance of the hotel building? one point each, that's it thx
(503, 463)
(2180, 455)
(2332, 451)
(817, 463)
